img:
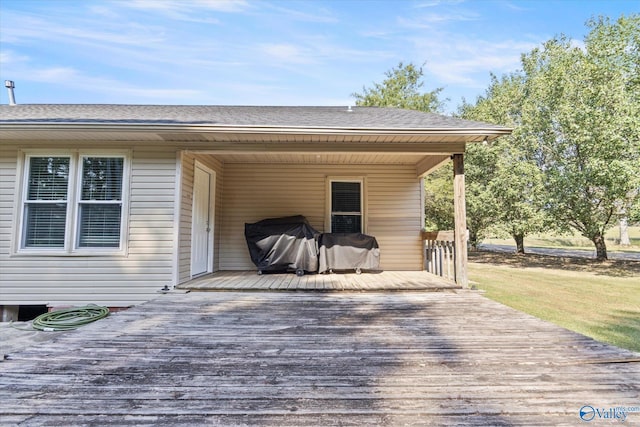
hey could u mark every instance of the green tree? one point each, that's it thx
(634, 213)
(480, 161)
(438, 205)
(401, 89)
(506, 191)
(584, 115)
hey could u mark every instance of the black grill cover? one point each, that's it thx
(345, 251)
(278, 244)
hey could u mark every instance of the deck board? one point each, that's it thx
(317, 358)
(350, 281)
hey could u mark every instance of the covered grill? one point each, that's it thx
(348, 251)
(283, 244)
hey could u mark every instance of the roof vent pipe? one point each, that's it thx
(9, 85)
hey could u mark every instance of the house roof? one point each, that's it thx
(240, 116)
(255, 133)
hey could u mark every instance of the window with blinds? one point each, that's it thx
(90, 217)
(346, 207)
(45, 207)
(99, 211)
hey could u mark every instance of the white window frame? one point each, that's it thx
(74, 191)
(363, 200)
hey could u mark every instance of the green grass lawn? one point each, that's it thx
(600, 300)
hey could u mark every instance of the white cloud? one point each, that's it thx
(458, 54)
(458, 59)
(58, 75)
(434, 3)
(179, 6)
(9, 57)
(190, 11)
(288, 53)
(429, 20)
(517, 6)
(19, 28)
(104, 11)
(317, 51)
(230, 6)
(72, 79)
(321, 15)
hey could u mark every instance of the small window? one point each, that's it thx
(346, 206)
(56, 218)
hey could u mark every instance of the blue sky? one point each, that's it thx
(270, 52)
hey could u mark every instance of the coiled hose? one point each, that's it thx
(69, 318)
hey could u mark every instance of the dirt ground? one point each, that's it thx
(620, 268)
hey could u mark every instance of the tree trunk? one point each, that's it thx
(624, 231)
(601, 247)
(473, 239)
(519, 238)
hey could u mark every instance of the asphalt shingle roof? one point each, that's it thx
(242, 116)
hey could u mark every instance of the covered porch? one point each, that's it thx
(234, 176)
(343, 281)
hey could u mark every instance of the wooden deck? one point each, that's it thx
(350, 281)
(316, 358)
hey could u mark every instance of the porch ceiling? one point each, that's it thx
(323, 158)
(423, 150)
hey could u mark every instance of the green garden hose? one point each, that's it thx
(69, 318)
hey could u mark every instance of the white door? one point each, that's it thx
(201, 226)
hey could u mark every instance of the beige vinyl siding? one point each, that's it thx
(186, 204)
(112, 280)
(252, 192)
(184, 237)
(8, 156)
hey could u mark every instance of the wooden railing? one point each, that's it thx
(440, 253)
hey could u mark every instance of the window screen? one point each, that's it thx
(45, 207)
(99, 226)
(100, 212)
(346, 207)
(45, 224)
